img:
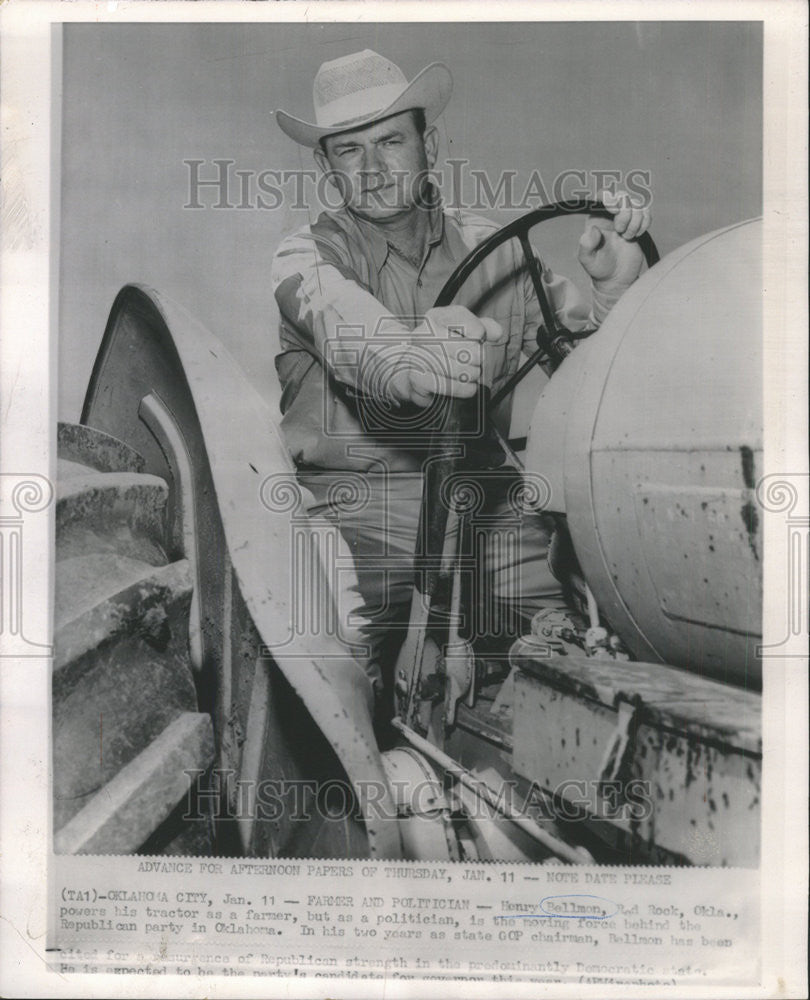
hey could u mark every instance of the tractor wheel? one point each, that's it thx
(128, 738)
(186, 680)
(136, 763)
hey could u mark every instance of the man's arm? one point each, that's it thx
(567, 303)
(609, 250)
(610, 255)
(321, 299)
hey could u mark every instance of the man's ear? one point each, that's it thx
(431, 141)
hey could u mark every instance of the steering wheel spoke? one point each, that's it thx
(533, 267)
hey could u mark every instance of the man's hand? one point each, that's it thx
(607, 248)
(446, 356)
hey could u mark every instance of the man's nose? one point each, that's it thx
(374, 165)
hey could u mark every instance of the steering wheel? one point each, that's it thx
(553, 340)
(461, 416)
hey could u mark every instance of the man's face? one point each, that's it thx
(380, 169)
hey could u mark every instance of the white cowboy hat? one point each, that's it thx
(362, 88)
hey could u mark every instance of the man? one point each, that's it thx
(363, 353)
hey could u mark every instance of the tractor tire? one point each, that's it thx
(128, 738)
(133, 754)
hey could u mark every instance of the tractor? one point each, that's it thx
(202, 705)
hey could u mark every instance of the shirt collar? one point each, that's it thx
(377, 244)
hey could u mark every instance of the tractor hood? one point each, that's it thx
(650, 436)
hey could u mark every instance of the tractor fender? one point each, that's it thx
(156, 358)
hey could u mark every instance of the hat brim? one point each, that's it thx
(430, 89)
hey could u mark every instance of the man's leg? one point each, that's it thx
(506, 561)
(378, 517)
(506, 552)
(521, 575)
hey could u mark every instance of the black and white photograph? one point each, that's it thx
(407, 504)
(412, 487)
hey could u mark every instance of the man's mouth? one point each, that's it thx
(386, 196)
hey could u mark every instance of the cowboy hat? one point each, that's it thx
(362, 88)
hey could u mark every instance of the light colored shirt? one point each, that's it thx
(338, 281)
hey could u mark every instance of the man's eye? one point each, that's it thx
(393, 142)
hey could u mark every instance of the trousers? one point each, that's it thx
(503, 555)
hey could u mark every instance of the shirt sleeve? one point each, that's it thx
(322, 300)
(567, 303)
